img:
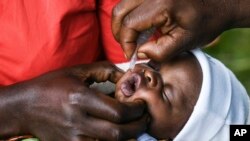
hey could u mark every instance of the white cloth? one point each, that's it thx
(145, 137)
(223, 101)
(125, 66)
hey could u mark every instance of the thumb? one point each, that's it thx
(105, 71)
(98, 72)
(165, 47)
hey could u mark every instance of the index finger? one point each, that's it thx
(119, 12)
(98, 72)
(106, 130)
(139, 20)
(178, 40)
(104, 107)
(104, 71)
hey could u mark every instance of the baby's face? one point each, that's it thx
(170, 90)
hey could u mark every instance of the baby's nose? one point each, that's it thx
(151, 78)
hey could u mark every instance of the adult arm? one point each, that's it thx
(183, 24)
(60, 106)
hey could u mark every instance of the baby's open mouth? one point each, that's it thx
(129, 86)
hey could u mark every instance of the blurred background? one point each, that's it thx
(233, 49)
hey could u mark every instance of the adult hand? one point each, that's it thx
(183, 24)
(60, 106)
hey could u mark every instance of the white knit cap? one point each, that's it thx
(223, 101)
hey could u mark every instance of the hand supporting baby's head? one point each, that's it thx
(170, 89)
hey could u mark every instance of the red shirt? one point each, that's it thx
(112, 49)
(37, 36)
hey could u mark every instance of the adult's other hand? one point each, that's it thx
(60, 106)
(183, 24)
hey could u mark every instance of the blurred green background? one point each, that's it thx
(233, 49)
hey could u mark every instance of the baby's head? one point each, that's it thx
(170, 89)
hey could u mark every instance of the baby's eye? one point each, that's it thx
(166, 92)
(164, 95)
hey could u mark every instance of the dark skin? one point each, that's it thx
(60, 105)
(183, 24)
(170, 90)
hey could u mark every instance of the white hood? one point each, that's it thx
(223, 101)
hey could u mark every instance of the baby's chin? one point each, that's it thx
(153, 130)
(122, 98)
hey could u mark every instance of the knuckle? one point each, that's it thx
(117, 11)
(128, 21)
(74, 121)
(119, 115)
(74, 98)
(117, 134)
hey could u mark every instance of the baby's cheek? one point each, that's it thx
(150, 96)
(121, 97)
(161, 121)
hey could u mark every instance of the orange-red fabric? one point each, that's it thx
(37, 36)
(112, 49)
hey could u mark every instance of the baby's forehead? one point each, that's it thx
(184, 73)
(181, 71)
(184, 61)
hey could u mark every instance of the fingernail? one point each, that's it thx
(142, 56)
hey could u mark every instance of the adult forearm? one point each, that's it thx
(11, 111)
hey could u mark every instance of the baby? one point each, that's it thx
(191, 97)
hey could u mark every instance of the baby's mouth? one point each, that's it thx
(129, 86)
